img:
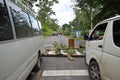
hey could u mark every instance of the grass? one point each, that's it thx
(81, 49)
(70, 36)
(57, 47)
(79, 38)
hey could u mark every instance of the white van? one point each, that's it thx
(20, 41)
(103, 50)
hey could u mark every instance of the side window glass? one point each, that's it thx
(40, 26)
(116, 32)
(98, 33)
(22, 23)
(35, 26)
(5, 26)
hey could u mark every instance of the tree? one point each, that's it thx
(109, 9)
(97, 10)
(67, 29)
(88, 9)
(44, 15)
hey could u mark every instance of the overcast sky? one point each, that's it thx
(64, 11)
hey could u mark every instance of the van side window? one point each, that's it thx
(98, 33)
(40, 27)
(5, 26)
(116, 32)
(22, 23)
(35, 26)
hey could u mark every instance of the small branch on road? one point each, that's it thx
(37, 77)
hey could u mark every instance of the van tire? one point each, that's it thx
(38, 64)
(94, 71)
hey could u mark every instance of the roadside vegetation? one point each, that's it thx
(87, 12)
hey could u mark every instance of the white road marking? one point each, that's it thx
(65, 73)
(62, 52)
(77, 52)
(51, 52)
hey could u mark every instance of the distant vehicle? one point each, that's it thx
(55, 33)
(103, 50)
(20, 42)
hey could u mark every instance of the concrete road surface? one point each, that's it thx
(48, 42)
(60, 68)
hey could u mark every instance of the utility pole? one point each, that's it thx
(78, 23)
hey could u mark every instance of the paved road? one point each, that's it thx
(59, 39)
(48, 42)
(60, 68)
(62, 65)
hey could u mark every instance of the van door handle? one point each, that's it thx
(100, 46)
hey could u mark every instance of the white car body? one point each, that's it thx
(105, 52)
(19, 53)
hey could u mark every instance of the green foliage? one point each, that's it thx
(47, 31)
(79, 38)
(70, 51)
(49, 24)
(85, 32)
(86, 10)
(57, 48)
(67, 49)
(64, 47)
(97, 10)
(81, 49)
(108, 9)
(67, 29)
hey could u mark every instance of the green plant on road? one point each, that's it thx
(81, 50)
(64, 47)
(70, 51)
(57, 48)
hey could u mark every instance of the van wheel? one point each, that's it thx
(94, 71)
(38, 64)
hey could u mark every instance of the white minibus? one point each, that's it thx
(20, 42)
(103, 50)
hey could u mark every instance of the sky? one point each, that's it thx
(64, 12)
